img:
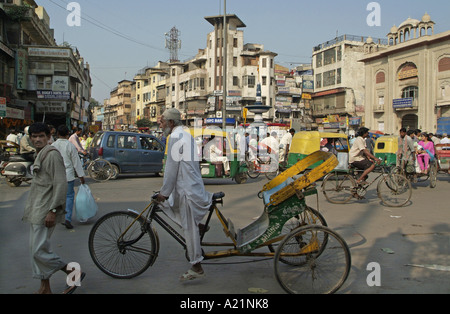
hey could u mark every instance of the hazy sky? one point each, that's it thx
(118, 38)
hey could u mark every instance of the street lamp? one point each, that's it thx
(224, 105)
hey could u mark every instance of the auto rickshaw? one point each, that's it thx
(307, 142)
(386, 148)
(208, 169)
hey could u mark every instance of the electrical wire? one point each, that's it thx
(107, 28)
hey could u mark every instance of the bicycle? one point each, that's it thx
(393, 189)
(409, 171)
(308, 256)
(262, 165)
(99, 169)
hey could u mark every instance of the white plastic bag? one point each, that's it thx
(85, 205)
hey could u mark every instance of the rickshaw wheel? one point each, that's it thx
(308, 217)
(320, 261)
(240, 178)
(433, 174)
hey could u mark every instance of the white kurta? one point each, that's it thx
(188, 200)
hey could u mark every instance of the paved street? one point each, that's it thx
(395, 238)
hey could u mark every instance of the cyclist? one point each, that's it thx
(360, 157)
(405, 153)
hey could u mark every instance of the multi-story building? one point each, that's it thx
(302, 115)
(288, 95)
(43, 81)
(150, 89)
(408, 82)
(196, 85)
(339, 82)
(118, 108)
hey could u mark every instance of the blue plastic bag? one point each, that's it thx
(85, 205)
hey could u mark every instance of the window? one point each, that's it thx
(319, 80)
(111, 140)
(127, 141)
(235, 61)
(235, 42)
(444, 64)
(264, 80)
(380, 78)
(410, 92)
(264, 62)
(329, 56)
(319, 60)
(249, 81)
(339, 76)
(150, 143)
(44, 82)
(329, 78)
(235, 81)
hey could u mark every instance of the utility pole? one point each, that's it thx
(225, 35)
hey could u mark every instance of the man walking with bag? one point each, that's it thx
(73, 166)
(45, 207)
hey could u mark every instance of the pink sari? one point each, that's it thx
(424, 159)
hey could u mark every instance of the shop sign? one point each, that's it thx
(403, 103)
(46, 94)
(408, 74)
(21, 69)
(15, 113)
(2, 107)
(49, 52)
(51, 107)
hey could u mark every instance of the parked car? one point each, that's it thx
(129, 152)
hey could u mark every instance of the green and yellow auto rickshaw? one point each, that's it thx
(210, 169)
(386, 148)
(307, 142)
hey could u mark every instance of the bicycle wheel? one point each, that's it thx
(100, 170)
(125, 257)
(338, 188)
(308, 217)
(394, 190)
(252, 172)
(320, 261)
(433, 174)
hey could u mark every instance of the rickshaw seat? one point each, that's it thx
(267, 194)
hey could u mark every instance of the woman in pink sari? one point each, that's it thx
(423, 155)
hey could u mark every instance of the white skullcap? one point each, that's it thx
(172, 114)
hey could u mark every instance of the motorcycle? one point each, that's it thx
(15, 168)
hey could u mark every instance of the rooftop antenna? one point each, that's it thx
(173, 43)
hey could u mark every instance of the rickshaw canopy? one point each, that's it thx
(386, 144)
(306, 143)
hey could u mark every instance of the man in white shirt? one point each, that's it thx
(183, 197)
(12, 137)
(73, 166)
(75, 140)
(285, 144)
(215, 153)
(360, 157)
(445, 139)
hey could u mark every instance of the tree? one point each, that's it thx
(143, 123)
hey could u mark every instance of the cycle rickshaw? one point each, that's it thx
(386, 148)
(215, 170)
(308, 256)
(307, 142)
(443, 156)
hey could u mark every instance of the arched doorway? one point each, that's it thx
(410, 122)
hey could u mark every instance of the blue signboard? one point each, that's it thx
(219, 120)
(403, 103)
